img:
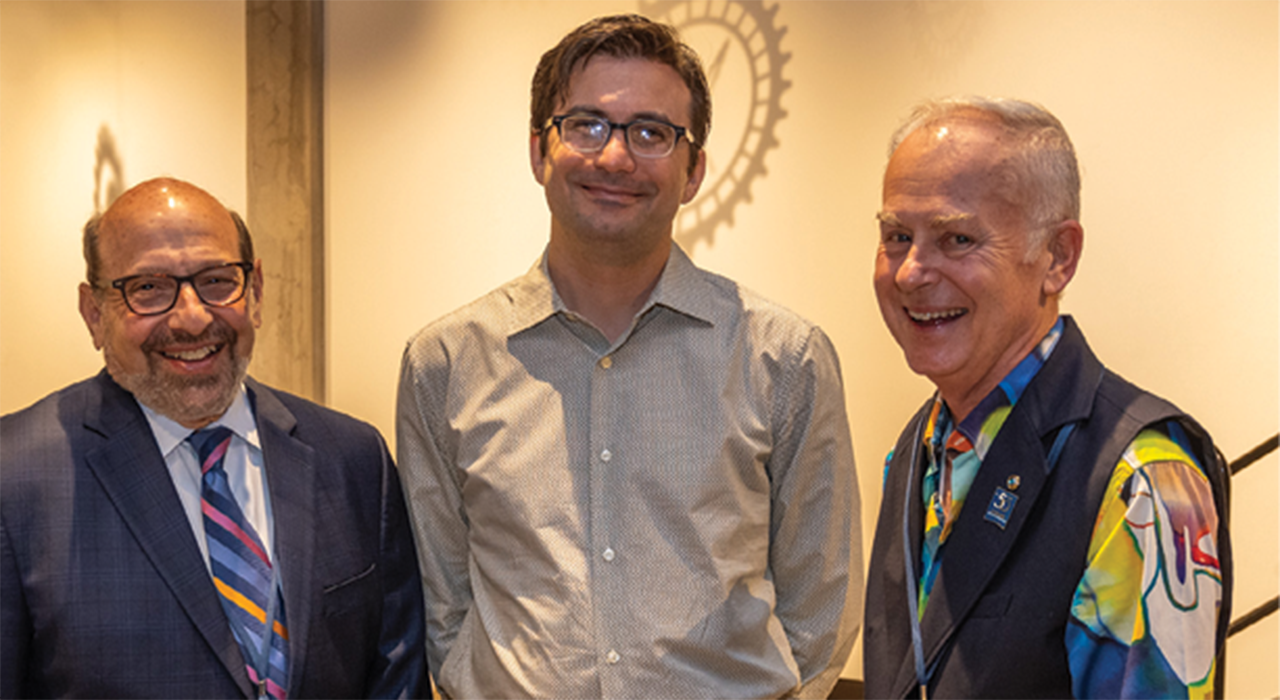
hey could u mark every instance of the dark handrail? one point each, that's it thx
(1268, 608)
(1267, 447)
(1253, 616)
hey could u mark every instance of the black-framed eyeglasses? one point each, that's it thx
(646, 138)
(149, 295)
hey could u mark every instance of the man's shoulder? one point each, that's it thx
(43, 444)
(1131, 398)
(489, 316)
(761, 314)
(1129, 417)
(65, 407)
(311, 417)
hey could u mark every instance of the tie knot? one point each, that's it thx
(210, 444)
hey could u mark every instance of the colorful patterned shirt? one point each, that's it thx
(1144, 617)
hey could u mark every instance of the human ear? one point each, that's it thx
(695, 178)
(1065, 243)
(536, 157)
(91, 312)
(255, 288)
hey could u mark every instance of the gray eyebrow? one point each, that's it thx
(937, 222)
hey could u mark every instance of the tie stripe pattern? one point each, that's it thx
(241, 568)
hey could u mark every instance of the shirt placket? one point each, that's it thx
(605, 457)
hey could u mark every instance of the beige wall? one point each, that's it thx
(1172, 105)
(430, 202)
(167, 81)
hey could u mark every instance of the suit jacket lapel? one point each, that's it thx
(290, 467)
(1061, 393)
(132, 472)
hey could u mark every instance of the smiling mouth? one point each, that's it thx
(611, 192)
(194, 354)
(935, 318)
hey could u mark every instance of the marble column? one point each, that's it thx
(285, 61)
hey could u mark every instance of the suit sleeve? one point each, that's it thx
(15, 623)
(400, 671)
(815, 543)
(435, 497)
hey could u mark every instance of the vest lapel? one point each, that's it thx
(977, 546)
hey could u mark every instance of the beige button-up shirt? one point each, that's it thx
(671, 515)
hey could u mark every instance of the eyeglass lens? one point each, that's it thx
(217, 286)
(650, 139)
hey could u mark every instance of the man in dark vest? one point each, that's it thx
(1092, 559)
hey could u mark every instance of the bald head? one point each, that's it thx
(149, 202)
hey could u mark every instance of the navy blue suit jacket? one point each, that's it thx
(103, 590)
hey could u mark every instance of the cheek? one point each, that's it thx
(243, 324)
(884, 274)
(124, 339)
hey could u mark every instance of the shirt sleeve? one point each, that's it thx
(1144, 618)
(423, 454)
(815, 548)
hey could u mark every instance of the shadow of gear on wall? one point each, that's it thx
(741, 32)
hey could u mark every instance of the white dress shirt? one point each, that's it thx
(243, 464)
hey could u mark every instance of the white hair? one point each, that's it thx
(1041, 170)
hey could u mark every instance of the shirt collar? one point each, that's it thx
(679, 288)
(238, 417)
(683, 288)
(1006, 393)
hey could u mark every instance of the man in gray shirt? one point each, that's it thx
(628, 476)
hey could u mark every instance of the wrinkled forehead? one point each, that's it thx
(973, 153)
(168, 216)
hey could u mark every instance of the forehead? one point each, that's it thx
(165, 230)
(634, 85)
(948, 168)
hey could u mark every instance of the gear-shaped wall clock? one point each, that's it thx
(741, 49)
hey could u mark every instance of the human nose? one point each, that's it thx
(189, 313)
(615, 155)
(916, 270)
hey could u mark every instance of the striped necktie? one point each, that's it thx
(242, 570)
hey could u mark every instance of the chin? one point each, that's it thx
(187, 400)
(929, 367)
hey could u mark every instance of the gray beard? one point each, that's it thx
(187, 400)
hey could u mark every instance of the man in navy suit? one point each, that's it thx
(113, 579)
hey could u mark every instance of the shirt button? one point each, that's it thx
(613, 657)
(607, 361)
(606, 455)
(608, 554)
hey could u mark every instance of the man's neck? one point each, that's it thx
(606, 290)
(962, 400)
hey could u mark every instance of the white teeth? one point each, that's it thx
(193, 355)
(935, 315)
